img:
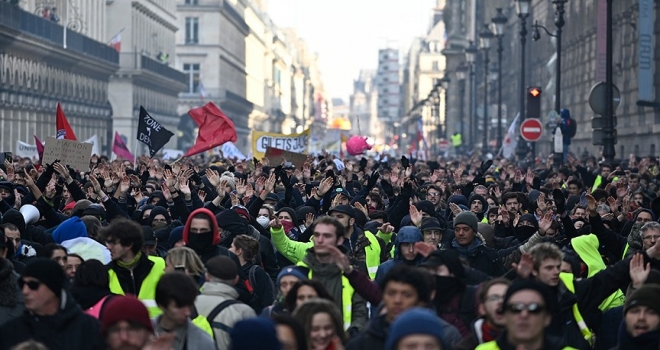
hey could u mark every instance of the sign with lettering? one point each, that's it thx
(26, 150)
(276, 156)
(72, 153)
(296, 143)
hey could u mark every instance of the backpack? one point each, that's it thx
(216, 311)
(571, 127)
(251, 283)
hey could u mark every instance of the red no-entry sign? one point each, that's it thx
(531, 129)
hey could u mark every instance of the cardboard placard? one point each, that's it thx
(275, 156)
(72, 153)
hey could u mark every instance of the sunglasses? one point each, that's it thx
(33, 285)
(532, 309)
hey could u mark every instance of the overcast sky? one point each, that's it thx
(348, 33)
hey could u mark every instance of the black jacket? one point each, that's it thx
(131, 281)
(262, 288)
(373, 338)
(69, 328)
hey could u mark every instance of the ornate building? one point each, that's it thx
(146, 76)
(39, 68)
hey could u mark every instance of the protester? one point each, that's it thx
(91, 287)
(323, 324)
(51, 315)
(641, 326)
(125, 324)
(416, 328)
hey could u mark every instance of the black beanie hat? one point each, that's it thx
(530, 285)
(648, 295)
(48, 272)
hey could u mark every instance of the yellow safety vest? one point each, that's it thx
(347, 292)
(597, 182)
(456, 140)
(372, 254)
(201, 322)
(492, 345)
(147, 293)
(588, 335)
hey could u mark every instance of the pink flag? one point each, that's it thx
(120, 149)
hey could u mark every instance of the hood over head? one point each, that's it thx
(69, 229)
(214, 225)
(158, 211)
(15, 217)
(407, 234)
(484, 203)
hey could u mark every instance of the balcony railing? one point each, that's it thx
(136, 60)
(13, 17)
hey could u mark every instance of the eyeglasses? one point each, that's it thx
(33, 285)
(432, 194)
(532, 309)
(651, 238)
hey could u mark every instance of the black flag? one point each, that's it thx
(152, 133)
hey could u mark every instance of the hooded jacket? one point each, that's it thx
(11, 298)
(232, 225)
(69, 328)
(407, 234)
(28, 232)
(484, 205)
(69, 229)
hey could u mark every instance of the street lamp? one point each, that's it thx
(444, 85)
(471, 56)
(499, 21)
(522, 9)
(536, 35)
(485, 36)
(461, 73)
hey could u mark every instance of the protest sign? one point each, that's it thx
(26, 150)
(296, 143)
(229, 150)
(275, 157)
(72, 153)
(94, 140)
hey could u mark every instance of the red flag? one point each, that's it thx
(214, 128)
(64, 130)
(40, 149)
(121, 150)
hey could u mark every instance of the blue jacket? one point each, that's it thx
(407, 234)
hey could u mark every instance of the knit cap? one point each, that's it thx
(648, 295)
(467, 218)
(412, 322)
(48, 272)
(124, 308)
(243, 335)
(290, 271)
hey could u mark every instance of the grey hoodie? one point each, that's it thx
(193, 336)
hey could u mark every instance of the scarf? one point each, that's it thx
(648, 340)
(489, 333)
(131, 264)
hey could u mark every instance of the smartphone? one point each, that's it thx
(9, 157)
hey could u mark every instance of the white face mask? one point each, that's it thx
(263, 221)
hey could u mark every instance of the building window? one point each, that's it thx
(192, 70)
(278, 76)
(436, 66)
(191, 2)
(192, 29)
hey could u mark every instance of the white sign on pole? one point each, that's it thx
(26, 150)
(94, 140)
(229, 150)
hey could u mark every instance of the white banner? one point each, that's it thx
(95, 144)
(229, 150)
(26, 150)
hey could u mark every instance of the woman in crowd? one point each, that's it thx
(323, 326)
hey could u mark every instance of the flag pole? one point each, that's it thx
(119, 32)
(65, 23)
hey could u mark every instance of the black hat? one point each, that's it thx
(647, 295)
(7, 185)
(149, 235)
(344, 209)
(48, 272)
(432, 224)
(272, 197)
(222, 267)
(341, 191)
(530, 285)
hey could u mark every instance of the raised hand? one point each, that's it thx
(361, 208)
(340, 259)
(545, 223)
(386, 228)
(325, 186)
(540, 202)
(424, 249)
(234, 199)
(260, 184)
(529, 178)
(621, 190)
(275, 223)
(415, 215)
(269, 186)
(170, 178)
(185, 189)
(591, 203)
(638, 272)
(213, 177)
(241, 187)
(309, 219)
(166, 193)
(124, 185)
(525, 266)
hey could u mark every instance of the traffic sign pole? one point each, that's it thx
(531, 129)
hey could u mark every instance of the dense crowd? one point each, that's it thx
(335, 254)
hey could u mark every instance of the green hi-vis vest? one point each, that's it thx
(456, 140)
(347, 292)
(147, 293)
(201, 322)
(492, 345)
(588, 335)
(586, 246)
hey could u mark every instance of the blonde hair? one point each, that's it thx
(184, 257)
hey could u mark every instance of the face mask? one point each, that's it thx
(157, 225)
(263, 221)
(200, 241)
(446, 287)
(524, 232)
(288, 225)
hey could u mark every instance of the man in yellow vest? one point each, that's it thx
(319, 264)
(131, 271)
(527, 309)
(577, 314)
(366, 250)
(457, 142)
